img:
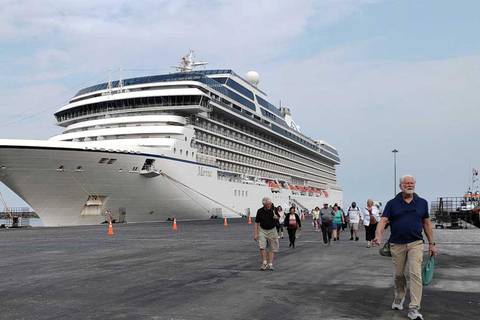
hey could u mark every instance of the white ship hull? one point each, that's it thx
(183, 190)
(187, 145)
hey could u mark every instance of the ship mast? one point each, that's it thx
(187, 63)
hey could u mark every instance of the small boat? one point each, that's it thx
(302, 190)
(274, 186)
(294, 189)
(316, 192)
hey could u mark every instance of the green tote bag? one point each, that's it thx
(427, 271)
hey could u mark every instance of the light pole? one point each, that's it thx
(394, 172)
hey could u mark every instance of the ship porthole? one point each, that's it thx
(120, 170)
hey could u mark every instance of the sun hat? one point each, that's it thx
(427, 271)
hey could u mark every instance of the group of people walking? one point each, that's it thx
(407, 215)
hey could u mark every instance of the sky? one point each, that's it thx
(367, 76)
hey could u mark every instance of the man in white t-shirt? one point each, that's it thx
(353, 217)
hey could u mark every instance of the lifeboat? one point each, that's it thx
(309, 191)
(302, 190)
(325, 193)
(316, 192)
(273, 186)
(294, 189)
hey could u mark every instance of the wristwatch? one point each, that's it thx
(431, 244)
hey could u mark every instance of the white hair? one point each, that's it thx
(265, 199)
(407, 176)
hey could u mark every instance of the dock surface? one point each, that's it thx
(205, 270)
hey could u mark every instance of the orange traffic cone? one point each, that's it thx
(303, 217)
(225, 223)
(110, 229)
(249, 220)
(175, 224)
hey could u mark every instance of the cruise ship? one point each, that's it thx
(193, 144)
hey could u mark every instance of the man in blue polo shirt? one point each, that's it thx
(407, 214)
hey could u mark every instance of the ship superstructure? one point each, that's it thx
(191, 144)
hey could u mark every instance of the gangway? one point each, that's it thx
(300, 205)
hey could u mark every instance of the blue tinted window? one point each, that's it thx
(239, 88)
(269, 106)
(221, 80)
(240, 99)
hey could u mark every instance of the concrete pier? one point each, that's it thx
(205, 270)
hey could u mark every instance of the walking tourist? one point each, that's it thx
(292, 222)
(408, 215)
(265, 232)
(326, 218)
(280, 223)
(316, 217)
(337, 222)
(353, 217)
(370, 220)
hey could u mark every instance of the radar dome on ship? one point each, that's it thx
(253, 78)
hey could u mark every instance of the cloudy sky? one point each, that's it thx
(367, 76)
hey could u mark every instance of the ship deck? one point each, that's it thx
(206, 270)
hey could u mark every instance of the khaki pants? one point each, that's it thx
(413, 252)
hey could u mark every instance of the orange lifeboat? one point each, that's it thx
(302, 190)
(316, 192)
(325, 193)
(273, 186)
(294, 189)
(309, 191)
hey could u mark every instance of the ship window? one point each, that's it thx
(186, 153)
(193, 154)
(243, 193)
(79, 168)
(111, 161)
(174, 150)
(181, 151)
(103, 160)
(246, 193)
(185, 138)
(235, 193)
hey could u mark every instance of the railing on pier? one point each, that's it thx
(455, 212)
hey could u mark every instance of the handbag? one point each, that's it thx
(385, 250)
(427, 271)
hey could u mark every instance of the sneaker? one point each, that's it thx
(351, 238)
(264, 266)
(398, 303)
(357, 238)
(414, 314)
(334, 239)
(270, 267)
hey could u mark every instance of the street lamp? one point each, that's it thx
(394, 172)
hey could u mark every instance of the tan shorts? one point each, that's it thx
(353, 226)
(268, 238)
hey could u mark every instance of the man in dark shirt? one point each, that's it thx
(326, 222)
(407, 214)
(266, 234)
